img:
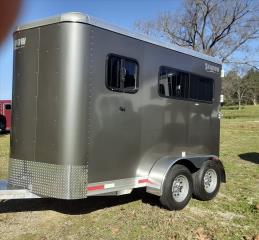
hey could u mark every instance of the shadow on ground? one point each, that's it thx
(251, 157)
(76, 207)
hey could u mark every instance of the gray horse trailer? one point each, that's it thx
(98, 110)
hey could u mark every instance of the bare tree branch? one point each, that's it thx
(215, 27)
(247, 63)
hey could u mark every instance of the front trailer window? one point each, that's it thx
(122, 74)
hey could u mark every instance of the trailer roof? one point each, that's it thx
(84, 18)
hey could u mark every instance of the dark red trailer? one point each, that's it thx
(5, 114)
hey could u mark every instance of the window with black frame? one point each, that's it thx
(113, 73)
(122, 74)
(174, 83)
(201, 88)
(8, 106)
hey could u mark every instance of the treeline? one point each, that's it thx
(241, 89)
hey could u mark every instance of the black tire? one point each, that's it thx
(170, 200)
(2, 123)
(206, 190)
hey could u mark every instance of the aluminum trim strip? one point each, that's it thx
(17, 194)
(116, 185)
(7, 192)
(87, 19)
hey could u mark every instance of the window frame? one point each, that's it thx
(7, 104)
(121, 89)
(188, 98)
(213, 89)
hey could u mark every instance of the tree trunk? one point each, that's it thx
(239, 96)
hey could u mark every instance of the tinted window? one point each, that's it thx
(122, 74)
(113, 73)
(178, 84)
(201, 88)
(130, 77)
(8, 106)
(173, 83)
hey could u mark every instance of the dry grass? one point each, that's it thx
(231, 215)
(4, 154)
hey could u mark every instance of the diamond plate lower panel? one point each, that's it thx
(50, 180)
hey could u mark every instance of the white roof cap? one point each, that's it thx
(84, 18)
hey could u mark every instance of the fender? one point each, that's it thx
(222, 171)
(161, 167)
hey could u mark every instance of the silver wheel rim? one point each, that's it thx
(210, 180)
(180, 188)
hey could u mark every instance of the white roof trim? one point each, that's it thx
(83, 18)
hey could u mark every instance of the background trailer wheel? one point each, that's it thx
(206, 181)
(177, 188)
(2, 123)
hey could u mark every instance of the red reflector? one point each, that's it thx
(145, 180)
(98, 187)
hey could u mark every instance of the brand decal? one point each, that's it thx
(211, 68)
(19, 43)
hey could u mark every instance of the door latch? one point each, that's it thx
(123, 109)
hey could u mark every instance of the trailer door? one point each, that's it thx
(116, 130)
(25, 77)
(204, 122)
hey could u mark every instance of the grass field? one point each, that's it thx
(231, 215)
(4, 154)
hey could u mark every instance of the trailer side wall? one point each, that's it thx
(127, 144)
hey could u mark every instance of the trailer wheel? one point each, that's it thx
(206, 181)
(2, 123)
(177, 188)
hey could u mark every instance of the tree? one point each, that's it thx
(252, 80)
(234, 87)
(215, 27)
(238, 89)
(227, 87)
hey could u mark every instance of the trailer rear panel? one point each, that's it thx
(48, 153)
